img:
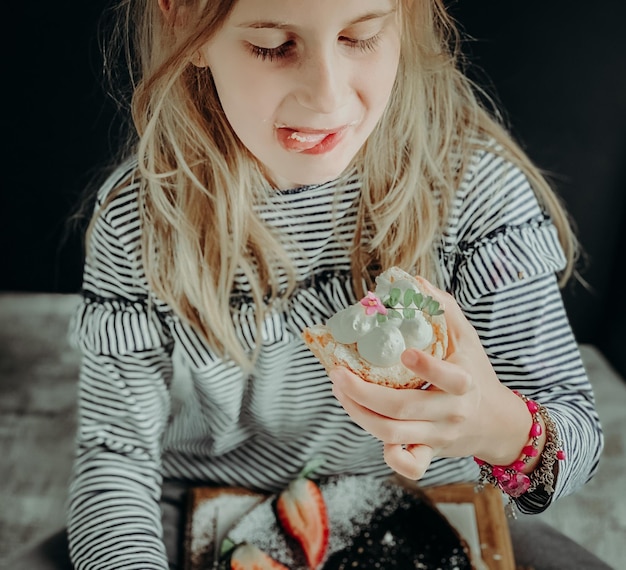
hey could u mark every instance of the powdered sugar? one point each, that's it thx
(350, 502)
(213, 518)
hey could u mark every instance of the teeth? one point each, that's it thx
(307, 137)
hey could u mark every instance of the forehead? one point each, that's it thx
(307, 13)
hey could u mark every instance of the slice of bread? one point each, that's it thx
(332, 353)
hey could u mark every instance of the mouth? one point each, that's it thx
(310, 141)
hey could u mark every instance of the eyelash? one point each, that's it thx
(284, 50)
(272, 54)
(365, 45)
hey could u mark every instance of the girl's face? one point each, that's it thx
(304, 82)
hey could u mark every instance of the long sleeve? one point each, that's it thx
(504, 259)
(114, 517)
(530, 344)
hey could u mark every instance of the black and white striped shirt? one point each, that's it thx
(499, 254)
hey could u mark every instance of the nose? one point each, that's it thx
(321, 81)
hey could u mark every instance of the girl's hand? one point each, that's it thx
(466, 411)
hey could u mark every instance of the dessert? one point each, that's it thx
(369, 336)
(373, 523)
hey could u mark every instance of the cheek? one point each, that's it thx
(376, 87)
(247, 94)
(378, 78)
(250, 112)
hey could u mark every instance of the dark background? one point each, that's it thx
(558, 69)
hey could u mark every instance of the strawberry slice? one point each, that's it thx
(301, 511)
(246, 556)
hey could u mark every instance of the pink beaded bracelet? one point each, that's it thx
(509, 478)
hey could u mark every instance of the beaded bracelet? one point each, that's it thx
(509, 478)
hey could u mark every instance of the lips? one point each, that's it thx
(309, 141)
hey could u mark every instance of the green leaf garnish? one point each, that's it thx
(431, 306)
(311, 466)
(408, 297)
(394, 296)
(393, 314)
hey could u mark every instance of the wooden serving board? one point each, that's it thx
(494, 539)
(493, 527)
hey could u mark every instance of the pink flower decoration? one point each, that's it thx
(373, 304)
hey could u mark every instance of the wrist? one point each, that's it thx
(508, 432)
(513, 478)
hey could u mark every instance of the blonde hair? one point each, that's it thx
(199, 183)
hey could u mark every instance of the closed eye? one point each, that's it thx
(272, 54)
(286, 49)
(365, 45)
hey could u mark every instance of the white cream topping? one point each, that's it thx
(379, 340)
(384, 286)
(417, 332)
(382, 346)
(349, 324)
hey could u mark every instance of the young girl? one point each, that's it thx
(285, 153)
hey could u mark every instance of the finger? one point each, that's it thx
(384, 400)
(411, 461)
(444, 374)
(384, 428)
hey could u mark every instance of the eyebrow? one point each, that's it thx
(263, 24)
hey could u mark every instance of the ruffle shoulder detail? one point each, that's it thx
(505, 258)
(114, 327)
